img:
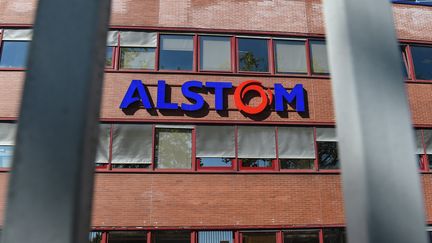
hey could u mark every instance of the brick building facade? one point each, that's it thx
(236, 199)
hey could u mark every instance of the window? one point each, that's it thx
(404, 57)
(256, 146)
(328, 158)
(253, 55)
(127, 236)
(427, 133)
(132, 145)
(109, 57)
(215, 146)
(215, 237)
(102, 152)
(334, 235)
(14, 49)
(7, 143)
(259, 237)
(301, 236)
(112, 42)
(290, 56)
(296, 147)
(137, 50)
(173, 148)
(419, 148)
(176, 52)
(319, 60)
(95, 237)
(172, 237)
(422, 59)
(215, 53)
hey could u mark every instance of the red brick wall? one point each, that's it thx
(412, 22)
(217, 200)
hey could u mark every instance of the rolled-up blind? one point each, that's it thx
(7, 134)
(112, 38)
(296, 143)
(326, 134)
(138, 39)
(102, 154)
(215, 141)
(256, 142)
(132, 144)
(17, 34)
(428, 140)
(419, 142)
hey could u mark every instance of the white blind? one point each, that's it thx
(428, 140)
(291, 56)
(138, 39)
(132, 144)
(102, 154)
(419, 142)
(17, 34)
(177, 43)
(112, 38)
(256, 142)
(215, 141)
(326, 134)
(296, 143)
(215, 53)
(7, 133)
(319, 57)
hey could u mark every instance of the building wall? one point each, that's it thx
(296, 16)
(218, 199)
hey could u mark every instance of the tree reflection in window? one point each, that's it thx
(95, 237)
(253, 55)
(328, 155)
(257, 163)
(173, 148)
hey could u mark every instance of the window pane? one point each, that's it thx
(215, 237)
(422, 58)
(137, 58)
(256, 142)
(173, 148)
(328, 155)
(127, 236)
(336, 235)
(95, 237)
(132, 144)
(109, 56)
(290, 56)
(14, 54)
(176, 52)
(215, 141)
(255, 237)
(257, 163)
(301, 236)
(6, 153)
(253, 55)
(319, 57)
(215, 53)
(171, 237)
(290, 164)
(404, 61)
(215, 162)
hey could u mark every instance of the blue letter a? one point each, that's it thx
(296, 94)
(136, 92)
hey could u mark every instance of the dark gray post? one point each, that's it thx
(51, 185)
(383, 200)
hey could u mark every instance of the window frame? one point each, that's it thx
(411, 61)
(310, 58)
(194, 52)
(307, 57)
(269, 55)
(232, 54)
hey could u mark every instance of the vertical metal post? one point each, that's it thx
(383, 200)
(50, 192)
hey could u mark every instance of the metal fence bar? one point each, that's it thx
(383, 200)
(50, 191)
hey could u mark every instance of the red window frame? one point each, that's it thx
(269, 56)
(198, 53)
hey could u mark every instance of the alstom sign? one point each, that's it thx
(276, 98)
